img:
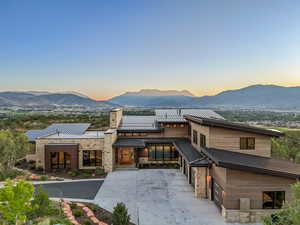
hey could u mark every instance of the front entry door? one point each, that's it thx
(126, 156)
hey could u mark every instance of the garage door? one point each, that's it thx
(217, 194)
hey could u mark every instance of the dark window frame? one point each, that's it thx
(247, 146)
(195, 137)
(202, 140)
(90, 161)
(173, 156)
(274, 196)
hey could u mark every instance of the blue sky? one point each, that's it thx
(103, 48)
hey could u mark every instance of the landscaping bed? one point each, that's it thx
(87, 214)
(38, 174)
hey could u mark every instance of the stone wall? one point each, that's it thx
(245, 216)
(84, 144)
(115, 117)
(109, 152)
(200, 181)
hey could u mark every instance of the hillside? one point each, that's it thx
(252, 97)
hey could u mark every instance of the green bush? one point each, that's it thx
(87, 222)
(41, 204)
(63, 221)
(120, 215)
(99, 171)
(94, 207)
(73, 205)
(78, 213)
(10, 174)
(39, 169)
(44, 178)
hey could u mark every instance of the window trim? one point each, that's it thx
(173, 152)
(195, 136)
(91, 163)
(202, 138)
(247, 143)
(273, 199)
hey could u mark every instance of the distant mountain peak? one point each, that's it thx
(157, 92)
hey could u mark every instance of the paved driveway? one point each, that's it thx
(157, 196)
(73, 189)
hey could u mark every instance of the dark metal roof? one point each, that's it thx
(183, 146)
(234, 126)
(64, 128)
(252, 163)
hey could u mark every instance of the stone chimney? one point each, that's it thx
(115, 117)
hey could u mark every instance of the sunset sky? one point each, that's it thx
(104, 48)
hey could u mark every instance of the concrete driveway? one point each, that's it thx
(157, 196)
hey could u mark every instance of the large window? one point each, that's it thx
(247, 143)
(202, 140)
(162, 152)
(60, 160)
(273, 199)
(92, 158)
(195, 137)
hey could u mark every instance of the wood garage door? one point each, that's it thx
(217, 191)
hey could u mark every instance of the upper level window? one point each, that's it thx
(195, 136)
(273, 199)
(247, 143)
(202, 140)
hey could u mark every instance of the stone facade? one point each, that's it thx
(85, 144)
(245, 216)
(109, 153)
(200, 181)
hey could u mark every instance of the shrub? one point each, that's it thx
(78, 213)
(39, 169)
(94, 207)
(73, 205)
(120, 215)
(41, 204)
(10, 174)
(87, 222)
(60, 221)
(99, 171)
(44, 178)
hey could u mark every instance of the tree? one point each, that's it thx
(15, 202)
(13, 146)
(120, 215)
(290, 213)
(41, 204)
(287, 147)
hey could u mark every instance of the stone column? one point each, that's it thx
(200, 182)
(109, 155)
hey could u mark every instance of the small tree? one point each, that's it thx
(41, 203)
(290, 213)
(15, 202)
(120, 215)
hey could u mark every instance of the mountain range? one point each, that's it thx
(253, 97)
(40, 99)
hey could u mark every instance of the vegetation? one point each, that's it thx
(27, 121)
(252, 115)
(77, 213)
(287, 147)
(13, 146)
(120, 215)
(19, 205)
(290, 213)
(15, 201)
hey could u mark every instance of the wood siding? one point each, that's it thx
(230, 140)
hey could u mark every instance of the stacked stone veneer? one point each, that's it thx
(85, 144)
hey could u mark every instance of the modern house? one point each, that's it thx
(228, 163)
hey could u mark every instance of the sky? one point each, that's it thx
(104, 48)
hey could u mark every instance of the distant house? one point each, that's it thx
(228, 163)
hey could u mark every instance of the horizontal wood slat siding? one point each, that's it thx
(230, 140)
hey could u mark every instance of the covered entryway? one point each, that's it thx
(125, 156)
